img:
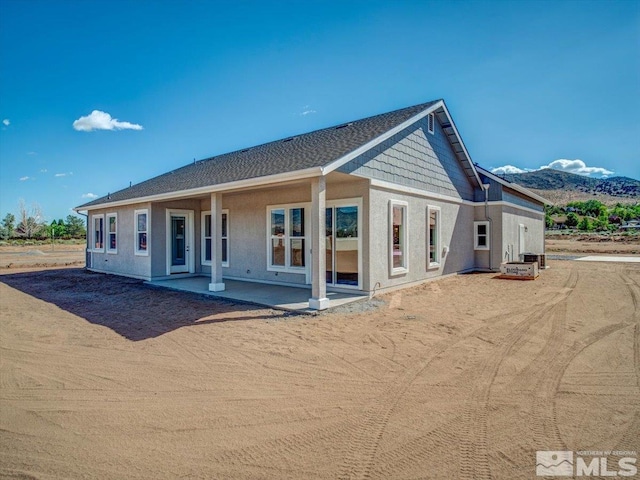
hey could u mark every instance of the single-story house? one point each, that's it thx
(365, 206)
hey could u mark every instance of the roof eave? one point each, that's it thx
(229, 186)
(514, 186)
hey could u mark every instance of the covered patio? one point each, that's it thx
(275, 296)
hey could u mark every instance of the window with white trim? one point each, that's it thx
(481, 235)
(433, 235)
(207, 239)
(141, 233)
(287, 239)
(112, 233)
(431, 123)
(98, 233)
(398, 241)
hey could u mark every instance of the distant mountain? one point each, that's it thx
(563, 187)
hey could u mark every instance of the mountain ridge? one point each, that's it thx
(563, 187)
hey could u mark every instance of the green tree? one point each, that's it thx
(75, 226)
(548, 221)
(57, 229)
(572, 220)
(585, 224)
(9, 224)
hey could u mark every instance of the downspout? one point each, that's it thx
(485, 187)
(87, 241)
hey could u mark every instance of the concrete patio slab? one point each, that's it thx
(275, 296)
(609, 258)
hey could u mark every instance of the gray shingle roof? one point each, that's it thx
(308, 150)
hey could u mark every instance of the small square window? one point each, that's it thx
(481, 235)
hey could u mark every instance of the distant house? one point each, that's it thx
(368, 205)
(630, 226)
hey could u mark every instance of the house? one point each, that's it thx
(366, 206)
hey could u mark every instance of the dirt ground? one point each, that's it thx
(592, 244)
(465, 377)
(41, 256)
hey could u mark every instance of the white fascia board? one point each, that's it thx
(515, 186)
(381, 184)
(502, 203)
(222, 187)
(378, 140)
(464, 149)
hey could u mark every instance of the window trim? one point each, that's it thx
(438, 244)
(108, 233)
(350, 202)
(476, 235)
(405, 238)
(93, 233)
(203, 238)
(137, 251)
(287, 237)
(431, 123)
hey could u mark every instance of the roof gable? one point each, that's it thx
(320, 152)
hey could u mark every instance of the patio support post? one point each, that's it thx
(318, 300)
(216, 284)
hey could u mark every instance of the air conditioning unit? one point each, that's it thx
(541, 258)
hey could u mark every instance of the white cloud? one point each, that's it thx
(507, 169)
(44, 170)
(98, 120)
(23, 179)
(576, 166)
(307, 110)
(6, 122)
(89, 195)
(63, 174)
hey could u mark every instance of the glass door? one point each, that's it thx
(179, 245)
(342, 246)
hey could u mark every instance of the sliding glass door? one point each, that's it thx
(342, 225)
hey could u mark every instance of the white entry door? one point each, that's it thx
(180, 248)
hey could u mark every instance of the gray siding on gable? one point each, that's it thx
(515, 198)
(495, 190)
(418, 159)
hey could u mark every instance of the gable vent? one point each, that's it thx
(431, 123)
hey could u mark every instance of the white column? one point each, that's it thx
(318, 300)
(216, 284)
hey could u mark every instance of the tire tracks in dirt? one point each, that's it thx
(363, 447)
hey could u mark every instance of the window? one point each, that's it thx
(207, 241)
(112, 233)
(481, 235)
(433, 235)
(286, 238)
(98, 233)
(398, 237)
(431, 123)
(142, 229)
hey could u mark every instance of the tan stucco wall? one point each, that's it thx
(124, 262)
(456, 234)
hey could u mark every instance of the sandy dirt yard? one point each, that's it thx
(466, 377)
(592, 244)
(12, 256)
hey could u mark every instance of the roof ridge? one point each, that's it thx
(296, 136)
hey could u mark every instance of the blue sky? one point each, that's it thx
(527, 83)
